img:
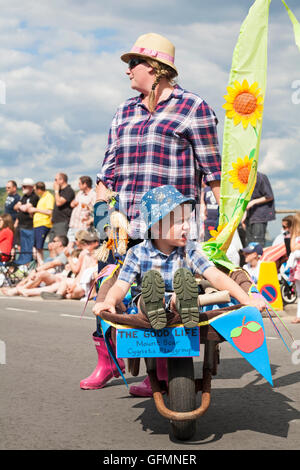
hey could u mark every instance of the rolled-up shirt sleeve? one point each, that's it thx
(131, 267)
(198, 259)
(204, 139)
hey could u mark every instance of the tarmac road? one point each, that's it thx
(49, 350)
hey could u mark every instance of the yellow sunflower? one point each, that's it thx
(244, 103)
(240, 173)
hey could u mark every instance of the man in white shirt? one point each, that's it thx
(82, 213)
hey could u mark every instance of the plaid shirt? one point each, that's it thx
(176, 145)
(145, 256)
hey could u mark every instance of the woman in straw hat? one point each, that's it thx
(164, 136)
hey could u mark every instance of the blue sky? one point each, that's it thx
(60, 62)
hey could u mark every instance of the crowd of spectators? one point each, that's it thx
(54, 228)
(64, 219)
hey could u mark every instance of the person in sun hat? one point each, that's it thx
(166, 250)
(163, 267)
(165, 135)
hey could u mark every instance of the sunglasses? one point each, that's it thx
(134, 61)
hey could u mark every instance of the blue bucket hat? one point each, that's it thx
(253, 247)
(160, 201)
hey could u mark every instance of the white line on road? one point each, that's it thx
(75, 316)
(271, 337)
(21, 310)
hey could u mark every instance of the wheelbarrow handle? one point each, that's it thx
(219, 297)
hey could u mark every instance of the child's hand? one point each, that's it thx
(100, 306)
(257, 302)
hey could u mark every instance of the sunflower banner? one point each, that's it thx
(242, 128)
(295, 24)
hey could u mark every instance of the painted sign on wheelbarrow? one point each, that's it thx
(167, 342)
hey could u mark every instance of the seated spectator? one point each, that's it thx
(6, 236)
(42, 214)
(45, 272)
(252, 254)
(57, 246)
(71, 288)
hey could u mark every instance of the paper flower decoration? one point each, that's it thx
(240, 173)
(215, 233)
(244, 103)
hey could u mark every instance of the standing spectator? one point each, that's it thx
(285, 235)
(42, 214)
(164, 135)
(25, 222)
(62, 211)
(260, 211)
(211, 212)
(81, 217)
(6, 236)
(12, 198)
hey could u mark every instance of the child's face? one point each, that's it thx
(251, 258)
(174, 227)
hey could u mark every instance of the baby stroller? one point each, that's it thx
(10, 272)
(287, 288)
(279, 254)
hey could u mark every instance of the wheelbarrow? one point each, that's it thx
(182, 386)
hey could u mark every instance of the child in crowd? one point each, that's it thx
(6, 236)
(252, 254)
(163, 265)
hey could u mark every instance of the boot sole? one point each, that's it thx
(186, 290)
(153, 292)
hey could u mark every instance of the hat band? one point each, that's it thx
(152, 53)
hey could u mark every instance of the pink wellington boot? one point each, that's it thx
(144, 388)
(105, 369)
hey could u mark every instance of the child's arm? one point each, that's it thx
(114, 296)
(295, 245)
(222, 282)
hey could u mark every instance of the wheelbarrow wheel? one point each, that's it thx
(182, 395)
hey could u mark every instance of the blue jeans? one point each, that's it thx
(27, 241)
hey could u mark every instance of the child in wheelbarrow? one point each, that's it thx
(163, 266)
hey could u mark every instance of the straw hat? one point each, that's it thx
(153, 46)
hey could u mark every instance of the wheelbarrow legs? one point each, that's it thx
(182, 389)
